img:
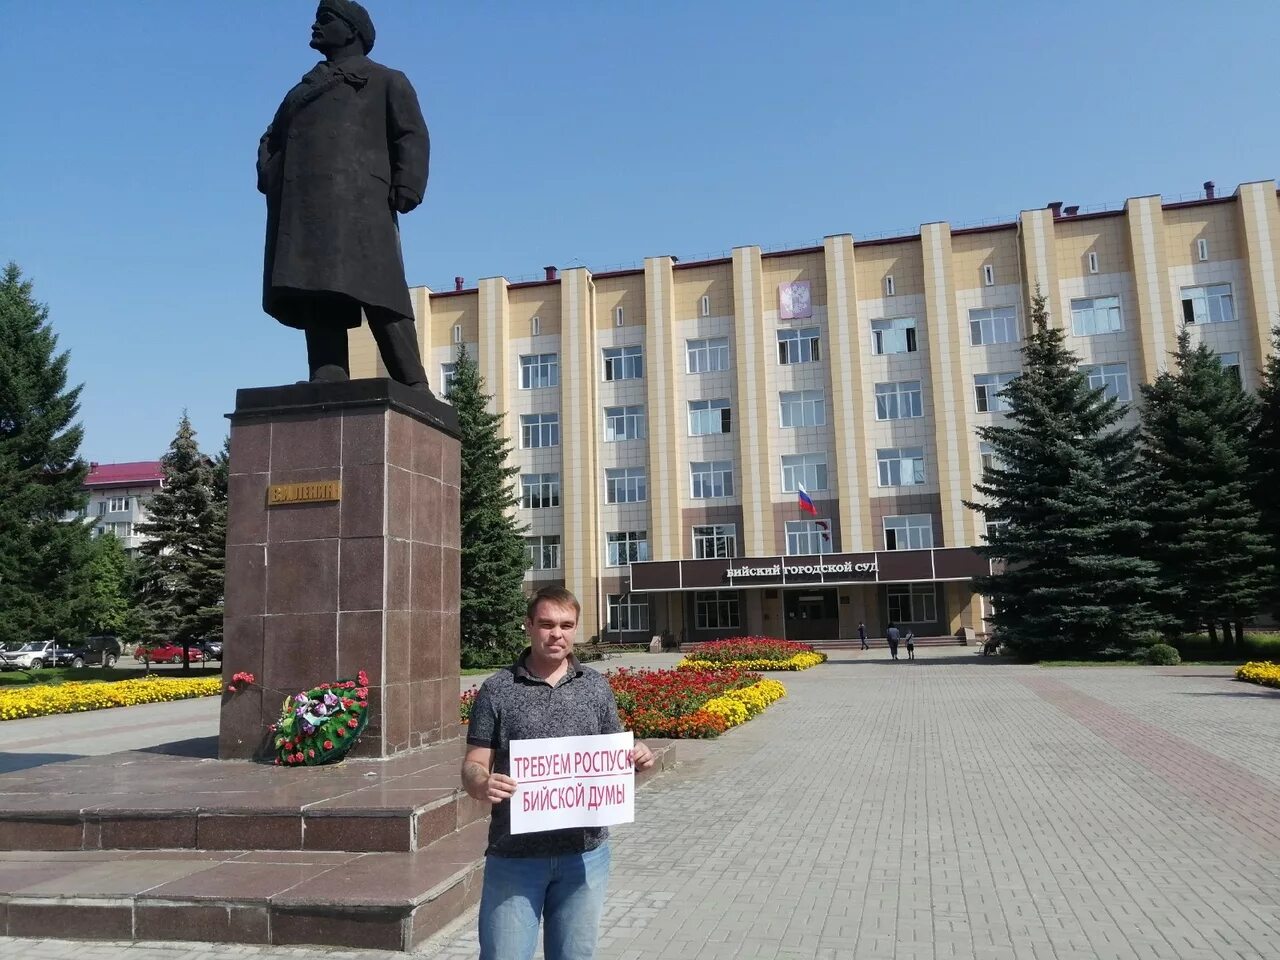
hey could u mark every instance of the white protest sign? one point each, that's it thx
(572, 782)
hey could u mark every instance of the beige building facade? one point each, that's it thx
(665, 419)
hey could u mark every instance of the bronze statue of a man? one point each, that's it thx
(346, 153)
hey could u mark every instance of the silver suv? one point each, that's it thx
(31, 656)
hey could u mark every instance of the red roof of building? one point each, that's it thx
(136, 474)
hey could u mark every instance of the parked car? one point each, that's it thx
(167, 653)
(103, 649)
(33, 656)
(212, 649)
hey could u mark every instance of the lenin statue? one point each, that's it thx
(346, 154)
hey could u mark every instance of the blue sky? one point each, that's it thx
(568, 133)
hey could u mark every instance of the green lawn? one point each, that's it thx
(1197, 649)
(125, 671)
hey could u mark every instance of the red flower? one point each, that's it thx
(341, 732)
(277, 761)
(311, 752)
(353, 723)
(230, 688)
(328, 745)
(363, 678)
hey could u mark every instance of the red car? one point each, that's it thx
(167, 653)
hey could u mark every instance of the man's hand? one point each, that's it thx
(498, 787)
(641, 756)
(403, 199)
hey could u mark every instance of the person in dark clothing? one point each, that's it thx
(893, 636)
(911, 645)
(862, 635)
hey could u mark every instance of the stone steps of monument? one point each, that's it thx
(69, 874)
(141, 801)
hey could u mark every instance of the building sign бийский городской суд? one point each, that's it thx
(847, 568)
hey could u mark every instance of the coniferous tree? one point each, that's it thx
(494, 558)
(1196, 424)
(1063, 493)
(45, 591)
(181, 586)
(1265, 460)
(111, 579)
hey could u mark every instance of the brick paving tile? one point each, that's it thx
(947, 808)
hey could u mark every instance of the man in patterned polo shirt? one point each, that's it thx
(556, 877)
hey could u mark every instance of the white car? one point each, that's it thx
(31, 656)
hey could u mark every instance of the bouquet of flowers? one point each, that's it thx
(321, 724)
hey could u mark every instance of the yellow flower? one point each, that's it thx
(1264, 672)
(44, 700)
(801, 661)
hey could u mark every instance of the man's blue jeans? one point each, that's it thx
(566, 893)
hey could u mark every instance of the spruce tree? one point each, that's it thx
(1196, 424)
(1265, 460)
(1064, 490)
(111, 580)
(181, 582)
(45, 589)
(494, 559)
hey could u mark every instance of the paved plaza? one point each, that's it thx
(954, 807)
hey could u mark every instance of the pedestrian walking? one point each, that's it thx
(555, 879)
(911, 645)
(893, 635)
(862, 634)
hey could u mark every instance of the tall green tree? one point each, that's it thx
(45, 590)
(111, 572)
(494, 559)
(181, 582)
(1062, 497)
(1196, 424)
(1265, 459)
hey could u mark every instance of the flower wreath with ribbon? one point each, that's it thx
(319, 725)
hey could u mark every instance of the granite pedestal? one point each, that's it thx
(317, 590)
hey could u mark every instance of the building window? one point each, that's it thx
(448, 373)
(118, 504)
(623, 423)
(538, 370)
(539, 490)
(710, 479)
(1231, 363)
(888, 285)
(102, 508)
(895, 335)
(625, 485)
(539, 430)
(122, 531)
(911, 532)
(1094, 315)
(988, 275)
(1202, 250)
(709, 416)
(900, 466)
(993, 325)
(704, 307)
(1093, 262)
(912, 603)
(804, 469)
(802, 408)
(987, 454)
(626, 546)
(987, 389)
(544, 552)
(623, 363)
(715, 540)
(1208, 304)
(535, 326)
(707, 355)
(619, 317)
(716, 610)
(1113, 377)
(992, 528)
(799, 346)
(457, 333)
(900, 400)
(628, 612)
(808, 536)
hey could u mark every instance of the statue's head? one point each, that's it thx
(338, 23)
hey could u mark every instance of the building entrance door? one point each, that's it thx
(811, 614)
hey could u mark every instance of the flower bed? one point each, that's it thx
(77, 697)
(752, 653)
(1264, 672)
(685, 704)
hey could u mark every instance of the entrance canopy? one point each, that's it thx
(738, 573)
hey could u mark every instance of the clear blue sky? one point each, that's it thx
(579, 131)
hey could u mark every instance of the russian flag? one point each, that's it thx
(806, 502)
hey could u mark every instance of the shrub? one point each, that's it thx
(1162, 655)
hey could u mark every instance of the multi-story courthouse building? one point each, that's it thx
(665, 419)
